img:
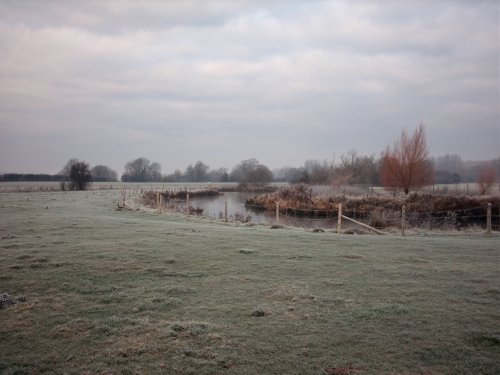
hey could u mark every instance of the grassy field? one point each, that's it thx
(134, 292)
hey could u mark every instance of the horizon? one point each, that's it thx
(182, 169)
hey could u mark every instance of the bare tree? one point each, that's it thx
(251, 172)
(155, 171)
(260, 176)
(218, 175)
(486, 179)
(80, 175)
(406, 166)
(319, 172)
(66, 170)
(240, 172)
(197, 173)
(142, 170)
(103, 173)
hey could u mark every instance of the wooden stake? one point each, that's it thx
(403, 220)
(187, 204)
(225, 210)
(488, 219)
(277, 211)
(339, 219)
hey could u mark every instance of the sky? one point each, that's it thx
(224, 81)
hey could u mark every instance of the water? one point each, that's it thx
(214, 207)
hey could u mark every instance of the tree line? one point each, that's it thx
(404, 165)
(246, 172)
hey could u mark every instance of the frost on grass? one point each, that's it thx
(6, 300)
(190, 328)
(247, 251)
(342, 370)
(258, 312)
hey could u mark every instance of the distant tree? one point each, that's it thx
(486, 179)
(319, 173)
(296, 175)
(355, 169)
(177, 176)
(197, 173)
(155, 171)
(449, 169)
(66, 170)
(251, 172)
(406, 166)
(103, 173)
(240, 172)
(142, 170)
(218, 175)
(472, 169)
(80, 175)
(260, 176)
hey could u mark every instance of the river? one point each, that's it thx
(214, 207)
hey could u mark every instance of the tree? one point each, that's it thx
(198, 173)
(174, 177)
(449, 169)
(260, 176)
(485, 180)
(142, 170)
(155, 171)
(240, 172)
(296, 175)
(66, 170)
(103, 173)
(218, 175)
(251, 172)
(406, 166)
(319, 172)
(80, 175)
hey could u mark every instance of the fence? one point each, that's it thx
(377, 221)
(347, 220)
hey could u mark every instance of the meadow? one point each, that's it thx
(89, 289)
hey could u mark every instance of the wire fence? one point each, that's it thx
(382, 219)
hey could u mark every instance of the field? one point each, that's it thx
(98, 290)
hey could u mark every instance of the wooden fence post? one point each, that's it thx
(403, 220)
(339, 219)
(488, 219)
(277, 211)
(225, 210)
(187, 204)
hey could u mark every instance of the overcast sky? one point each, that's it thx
(223, 81)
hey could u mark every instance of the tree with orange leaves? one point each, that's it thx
(406, 166)
(486, 179)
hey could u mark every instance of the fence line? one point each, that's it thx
(375, 220)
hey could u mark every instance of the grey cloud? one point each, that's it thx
(179, 81)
